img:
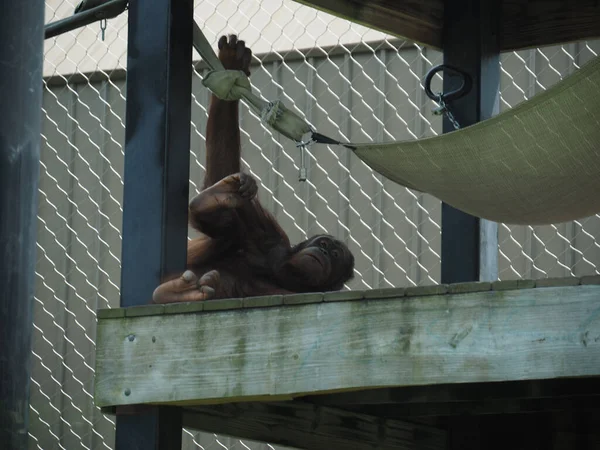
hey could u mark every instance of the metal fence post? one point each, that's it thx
(470, 245)
(157, 144)
(21, 57)
(470, 39)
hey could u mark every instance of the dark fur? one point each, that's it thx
(245, 244)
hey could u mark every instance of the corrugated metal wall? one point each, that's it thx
(394, 233)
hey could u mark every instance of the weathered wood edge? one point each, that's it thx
(303, 425)
(442, 396)
(342, 296)
(467, 316)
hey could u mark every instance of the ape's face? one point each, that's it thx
(322, 263)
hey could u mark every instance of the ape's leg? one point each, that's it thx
(187, 288)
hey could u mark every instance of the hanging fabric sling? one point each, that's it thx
(537, 163)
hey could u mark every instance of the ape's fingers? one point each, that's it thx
(246, 61)
(244, 187)
(239, 50)
(181, 297)
(207, 292)
(252, 193)
(232, 40)
(247, 187)
(222, 42)
(248, 191)
(210, 280)
(189, 277)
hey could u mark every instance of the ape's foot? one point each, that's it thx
(183, 289)
(234, 55)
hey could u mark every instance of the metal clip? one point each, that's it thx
(439, 111)
(303, 145)
(103, 24)
(443, 99)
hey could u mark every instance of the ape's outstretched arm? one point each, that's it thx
(222, 129)
(212, 212)
(227, 206)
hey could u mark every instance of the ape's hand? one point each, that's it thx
(231, 192)
(188, 288)
(234, 55)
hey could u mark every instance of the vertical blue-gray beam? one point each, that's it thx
(157, 143)
(21, 57)
(470, 40)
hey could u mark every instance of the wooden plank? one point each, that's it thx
(288, 351)
(524, 23)
(302, 425)
(418, 21)
(536, 23)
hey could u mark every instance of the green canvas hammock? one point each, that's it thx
(538, 163)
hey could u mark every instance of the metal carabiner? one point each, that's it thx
(461, 91)
(303, 146)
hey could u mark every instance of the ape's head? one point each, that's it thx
(321, 263)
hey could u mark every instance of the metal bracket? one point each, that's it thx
(443, 99)
(459, 92)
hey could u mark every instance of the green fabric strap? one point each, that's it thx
(234, 85)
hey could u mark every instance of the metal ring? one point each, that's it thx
(461, 91)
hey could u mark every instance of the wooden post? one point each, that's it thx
(21, 56)
(157, 142)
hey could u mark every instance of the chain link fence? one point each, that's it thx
(560, 250)
(350, 82)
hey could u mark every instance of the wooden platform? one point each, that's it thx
(522, 23)
(357, 369)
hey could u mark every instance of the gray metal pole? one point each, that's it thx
(469, 244)
(471, 44)
(21, 56)
(155, 195)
